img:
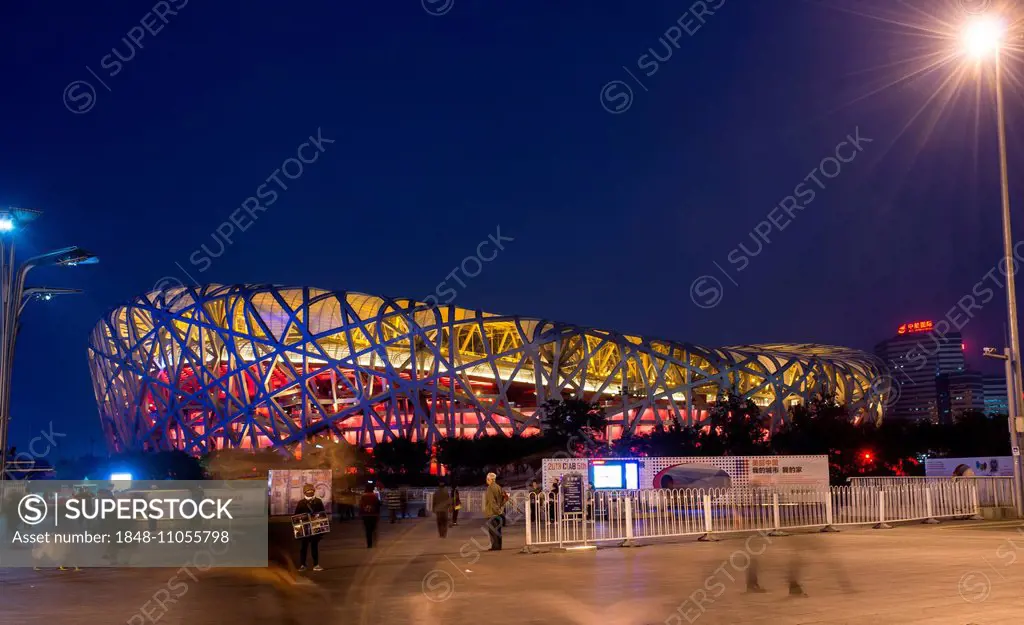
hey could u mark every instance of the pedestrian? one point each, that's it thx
(536, 496)
(494, 506)
(369, 509)
(456, 505)
(394, 501)
(310, 504)
(403, 497)
(552, 502)
(441, 505)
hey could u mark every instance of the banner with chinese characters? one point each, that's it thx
(787, 471)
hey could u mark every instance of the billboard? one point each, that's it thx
(286, 488)
(980, 466)
(706, 472)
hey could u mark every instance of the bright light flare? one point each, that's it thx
(6, 224)
(983, 36)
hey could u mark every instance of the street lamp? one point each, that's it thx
(983, 38)
(14, 296)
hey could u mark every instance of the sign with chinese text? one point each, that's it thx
(916, 326)
(572, 493)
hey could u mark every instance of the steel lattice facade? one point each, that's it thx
(258, 366)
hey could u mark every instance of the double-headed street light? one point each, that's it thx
(14, 296)
(983, 38)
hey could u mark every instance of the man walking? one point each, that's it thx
(494, 507)
(442, 502)
(369, 510)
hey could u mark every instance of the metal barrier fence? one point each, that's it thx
(993, 491)
(628, 515)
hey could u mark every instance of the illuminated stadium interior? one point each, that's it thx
(251, 366)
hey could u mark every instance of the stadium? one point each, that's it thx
(256, 366)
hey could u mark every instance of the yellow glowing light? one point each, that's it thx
(983, 36)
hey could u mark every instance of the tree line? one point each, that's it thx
(734, 427)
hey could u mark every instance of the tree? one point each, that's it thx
(735, 427)
(571, 420)
(824, 427)
(973, 433)
(402, 456)
(459, 454)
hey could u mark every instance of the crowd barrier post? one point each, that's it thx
(529, 524)
(881, 525)
(974, 503)
(776, 518)
(929, 510)
(629, 499)
(829, 527)
(706, 537)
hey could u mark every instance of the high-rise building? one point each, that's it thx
(915, 357)
(958, 392)
(995, 395)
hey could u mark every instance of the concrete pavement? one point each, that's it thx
(953, 573)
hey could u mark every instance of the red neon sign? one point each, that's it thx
(917, 326)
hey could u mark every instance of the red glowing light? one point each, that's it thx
(917, 326)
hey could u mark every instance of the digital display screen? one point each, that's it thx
(608, 476)
(612, 475)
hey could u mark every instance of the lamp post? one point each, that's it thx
(14, 296)
(983, 38)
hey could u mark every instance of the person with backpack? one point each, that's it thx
(369, 510)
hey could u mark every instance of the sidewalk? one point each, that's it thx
(948, 574)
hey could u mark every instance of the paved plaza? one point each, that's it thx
(953, 573)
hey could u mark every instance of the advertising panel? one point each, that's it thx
(981, 466)
(707, 472)
(286, 488)
(552, 470)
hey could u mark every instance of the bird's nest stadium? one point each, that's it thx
(257, 366)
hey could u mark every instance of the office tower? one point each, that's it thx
(915, 357)
(995, 394)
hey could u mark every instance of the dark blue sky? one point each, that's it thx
(448, 126)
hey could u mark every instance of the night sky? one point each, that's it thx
(447, 127)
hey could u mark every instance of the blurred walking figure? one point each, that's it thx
(441, 504)
(456, 505)
(393, 499)
(309, 504)
(369, 509)
(796, 567)
(494, 508)
(403, 496)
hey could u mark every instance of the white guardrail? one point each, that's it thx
(627, 515)
(993, 491)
